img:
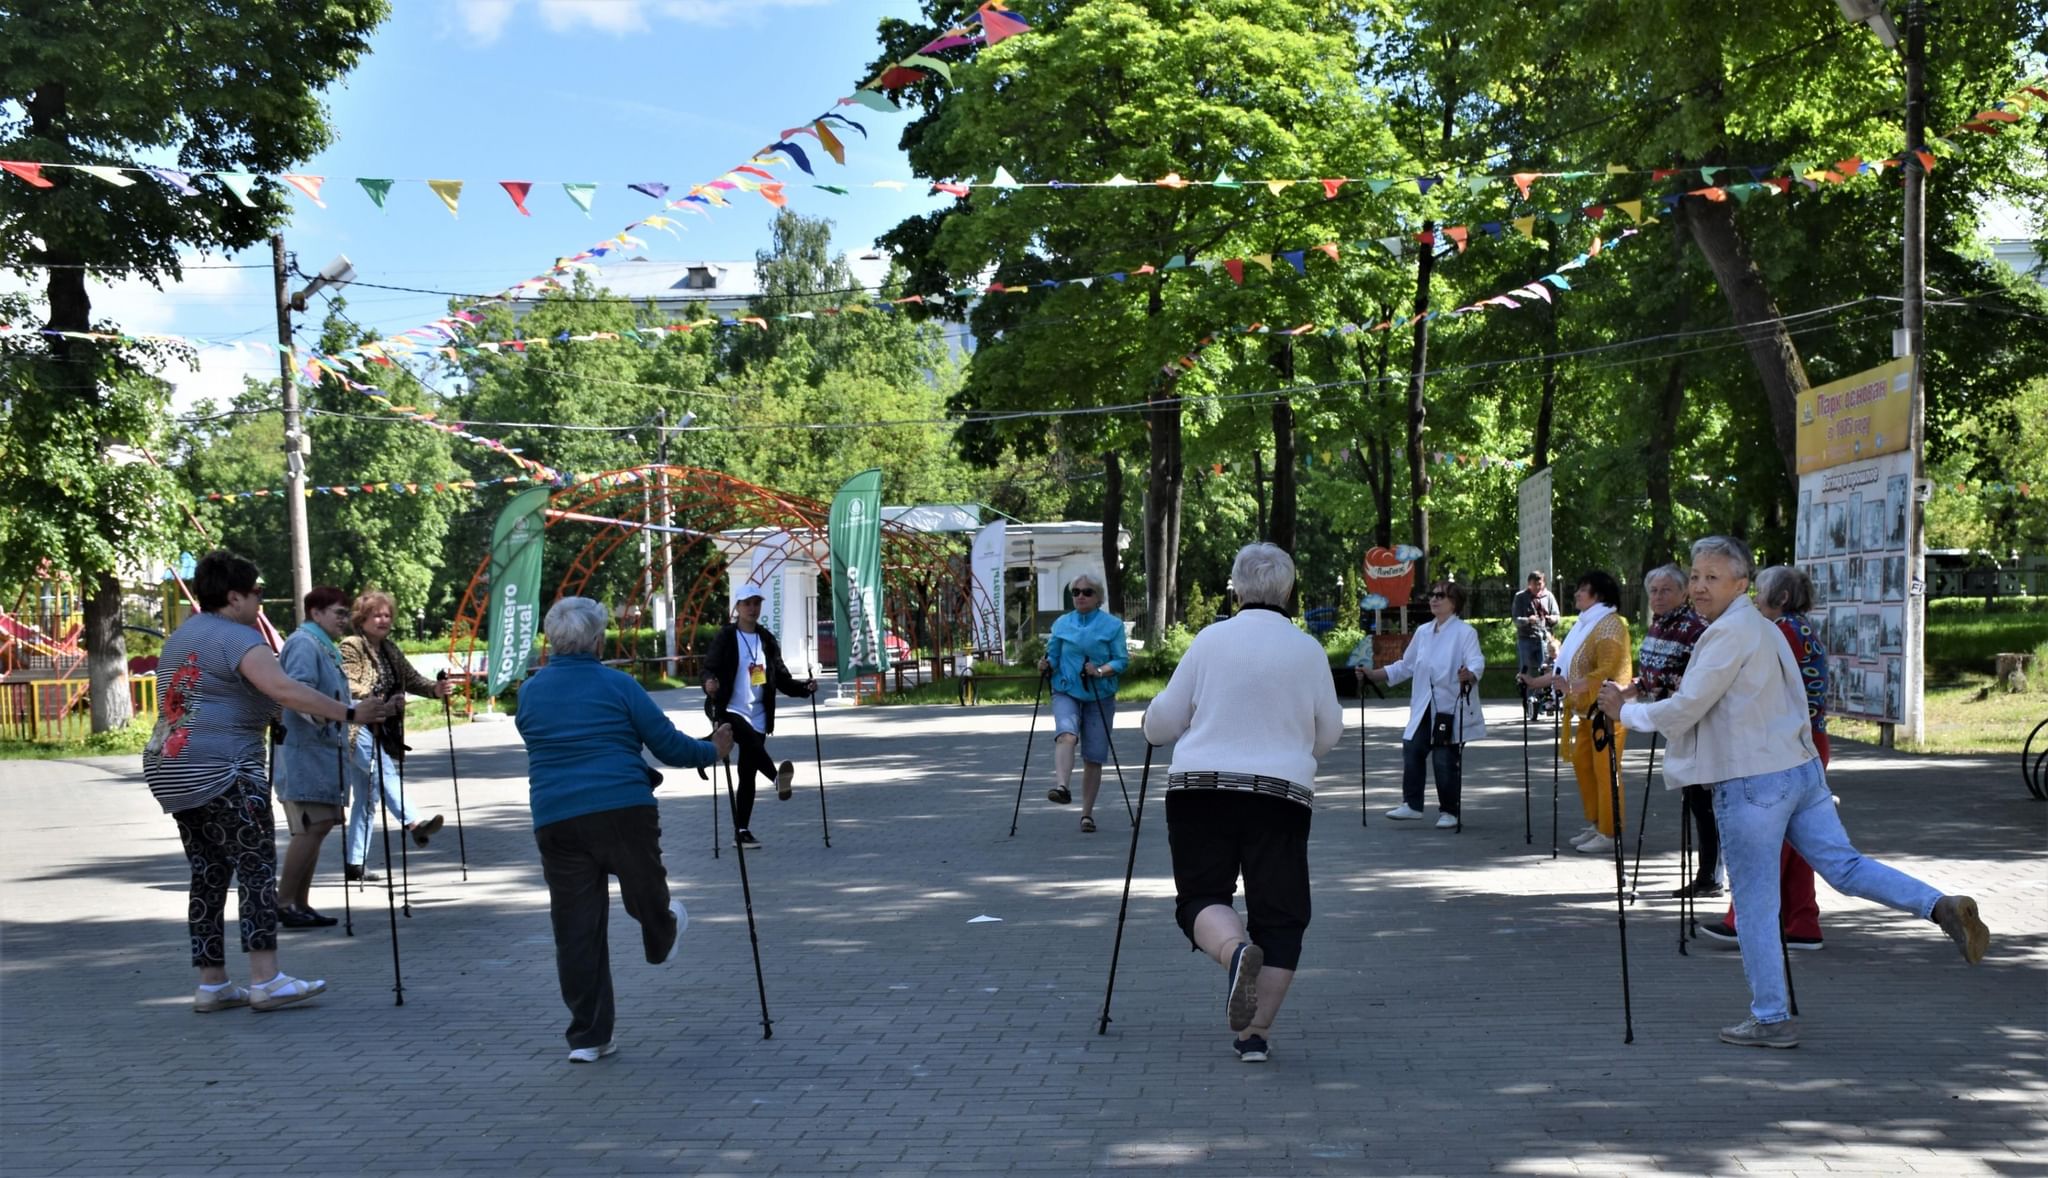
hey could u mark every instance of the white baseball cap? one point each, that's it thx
(749, 592)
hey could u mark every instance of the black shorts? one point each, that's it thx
(1216, 835)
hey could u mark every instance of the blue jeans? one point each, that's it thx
(1445, 759)
(1087, 719)
(362, 773)
(1756, 814)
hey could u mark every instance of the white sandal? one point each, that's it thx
(283, 990)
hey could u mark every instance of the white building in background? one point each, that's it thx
(700, 288)
(2023, 256)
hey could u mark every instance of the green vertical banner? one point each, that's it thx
(515, 586)
(854, 531)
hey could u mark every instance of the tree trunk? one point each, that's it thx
(1376, 455)
(1664, 414)
(1770, 345)
(106, 650)
(1162, 511)
(1259, 493)
(1418, 412)
(1284, 496)
(1112, 526)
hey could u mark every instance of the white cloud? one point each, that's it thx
(719, 13)
(483, 21)
(617, 17)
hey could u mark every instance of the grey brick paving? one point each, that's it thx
(1458, 1010)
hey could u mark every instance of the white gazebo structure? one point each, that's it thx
(786, 565)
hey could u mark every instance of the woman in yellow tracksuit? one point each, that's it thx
(1595, 651)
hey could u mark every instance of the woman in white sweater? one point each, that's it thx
(1442, 659)
(1249, 710)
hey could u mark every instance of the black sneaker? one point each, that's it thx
(1807, 943)
(1241, 1003)
(1251, 1048)
(357, 873)
(1718, 932)
(304, 918)
(1698, 889)
(746, 841)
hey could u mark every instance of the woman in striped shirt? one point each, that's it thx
(219, 688)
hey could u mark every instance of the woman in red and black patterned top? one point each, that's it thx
(1785, 595)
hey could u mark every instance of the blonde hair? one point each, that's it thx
(366, 603)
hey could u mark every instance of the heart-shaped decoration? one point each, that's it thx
(1390, 572)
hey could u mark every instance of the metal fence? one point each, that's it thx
(57, 711)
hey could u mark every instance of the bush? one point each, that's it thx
(1340, 642)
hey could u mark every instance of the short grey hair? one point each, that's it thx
(1262, 574)
(575, 625)
(1669, 572)
(1785, 589)
(1093, 581)
(1729, 549)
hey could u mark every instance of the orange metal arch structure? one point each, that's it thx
(926, 585)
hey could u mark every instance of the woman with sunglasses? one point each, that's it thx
(1084, 654)
(1443, 659)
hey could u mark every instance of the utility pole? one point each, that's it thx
(297, 446)
(1913, 312)
(668, 566)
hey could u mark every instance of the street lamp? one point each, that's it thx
(297, 445)
(1910, 339)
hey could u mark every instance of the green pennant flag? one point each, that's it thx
(1478, 184)
(515, 587)
(377, 190)
(1379, 186)
(874, 101)
(1223, 180)
(854, 535)
(581, 194)
(832, 188)
(238, 183)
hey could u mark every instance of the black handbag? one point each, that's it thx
(1443, 731)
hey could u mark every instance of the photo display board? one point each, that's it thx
(1853, 536)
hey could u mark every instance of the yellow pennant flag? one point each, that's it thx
(450, 192)
(1634, 209)
(1262, 260)
(1276, 187)
(1526, 226)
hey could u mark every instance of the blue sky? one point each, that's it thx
(606, 91)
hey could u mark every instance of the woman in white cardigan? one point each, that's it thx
(1442, 659)
(1249, 710)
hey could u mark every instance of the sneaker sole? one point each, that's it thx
(1252, 1056)
(1244, 993)
(682, 924)
(217, 1007)
(783, 779)
(607, 1049)
(1975, 940)
(289, 1000)
(1780, 1044)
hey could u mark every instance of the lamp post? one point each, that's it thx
(298, 447)
(1910, 339)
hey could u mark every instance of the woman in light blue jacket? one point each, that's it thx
(1084, 654)
(309, 771)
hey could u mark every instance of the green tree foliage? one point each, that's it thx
(225, 86)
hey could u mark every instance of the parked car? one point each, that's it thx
(828, 645)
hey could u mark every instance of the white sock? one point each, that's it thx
(216, 987)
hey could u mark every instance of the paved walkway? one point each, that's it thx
(1458, 1010)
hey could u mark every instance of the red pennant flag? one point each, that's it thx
(896, 77)
(1926, 160)
(1979, 128)
(1782, 183)
(517, 190)
(2037, 92)
(1716, 195)
(1850, 166)
(954, 189)
(33, 173)
(751, 170)
(1595, 212)
(772, 193)
(1995, 116)
(1330, 187)
(1426, 238)
(1235, 268)
(1457, 234)
(1657, 174)
(1147, 268)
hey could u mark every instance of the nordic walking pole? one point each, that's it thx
(1037, 698)
(818, 748)
(1556, 738)
(1109, 737)
(711, 714)
(1684, 870)
(348, 917)
(1458, 755)
(448, 715)
(1363, 805)
(1643, 821)
(390, 900)
(747, 893)
(1603, 733)
(1785, 951)
(1124, 906)
(1528, 827)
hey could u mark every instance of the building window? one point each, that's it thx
(700, 278)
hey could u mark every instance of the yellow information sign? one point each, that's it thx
(1860, 416)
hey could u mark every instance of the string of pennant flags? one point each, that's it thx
(1717, 181)
(345, 490)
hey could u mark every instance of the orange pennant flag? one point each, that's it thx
(772, 193)
(1330, 188)
(1330, 248)
(1458, 233)
(310, 185)
(1523, 180)
(33, 173)
(833, 147)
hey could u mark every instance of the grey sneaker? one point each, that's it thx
(592, 1054)
(1243, 1003)
(1751, 1033)
(1957, 916)
(785, 774)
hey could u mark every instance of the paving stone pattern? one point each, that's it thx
(1458, 1010)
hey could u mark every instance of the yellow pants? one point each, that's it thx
(1595, 782)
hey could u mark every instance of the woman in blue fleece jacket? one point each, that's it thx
(594, 814)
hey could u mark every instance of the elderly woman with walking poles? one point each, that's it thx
(1595, 651)
(311, 778)
(1249, 710)
(594, 814)
(376, 667)
(1084, 654)
(1444, 660)
(1675, 628)
(204, 764)
(1738, 723)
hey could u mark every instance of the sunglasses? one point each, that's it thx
(1084, 592)
(1436, 593)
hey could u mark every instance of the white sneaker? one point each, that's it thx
(1447, 822)
(682, 922)
(1583, 835)
(1599, 844)
(1404, 813)
(592, 1054)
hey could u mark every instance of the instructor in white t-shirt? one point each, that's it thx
(742, 673)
